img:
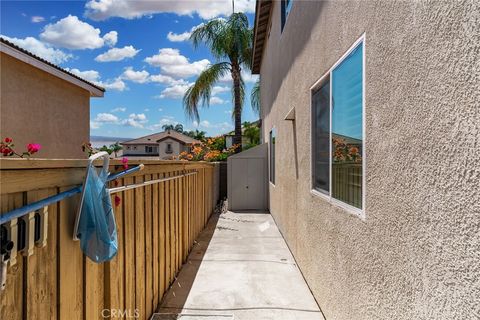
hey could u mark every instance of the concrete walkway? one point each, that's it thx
(241, 268)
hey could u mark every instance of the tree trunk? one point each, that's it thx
(237, 111)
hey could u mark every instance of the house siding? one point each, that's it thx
(416, 253)
(140, 150)
(177, 148)
(37, 107)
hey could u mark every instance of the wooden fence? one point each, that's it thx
(157, 225)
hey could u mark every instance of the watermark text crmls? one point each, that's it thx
(121, 313)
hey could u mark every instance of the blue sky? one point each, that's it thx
(139, 51)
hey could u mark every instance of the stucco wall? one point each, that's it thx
(139, 150)
(38, 107)
(417, 254)
(176, 147)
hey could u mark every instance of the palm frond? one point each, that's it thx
(199, 93)
(255, 97)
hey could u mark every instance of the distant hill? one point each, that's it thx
(99, 141)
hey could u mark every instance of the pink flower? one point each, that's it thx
(6, 151)
(117, 201)
(8, 140)
(33, 148)
(125, 163)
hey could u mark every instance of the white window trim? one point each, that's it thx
(348, 208)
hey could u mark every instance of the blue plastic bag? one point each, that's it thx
(96, 228)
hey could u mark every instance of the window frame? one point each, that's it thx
(169, 148)
(320, 82)
(270, 159)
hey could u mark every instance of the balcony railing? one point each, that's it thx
(157, 225)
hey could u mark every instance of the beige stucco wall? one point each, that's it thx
(41, 108)
(417, 254)
(177, 148)
(139, 150)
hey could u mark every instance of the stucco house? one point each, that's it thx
(43, 103)
(165, 145)
(371, 113)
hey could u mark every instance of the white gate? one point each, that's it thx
(248, 180)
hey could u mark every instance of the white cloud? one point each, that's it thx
(116, 84)
(106, 118)
(94, 125)
(104, 9)
(247, 77)
(175, 37)
(135, 76)
(219, 89)
(72, 33)
(174, 92)
(111, 38)
(119, 109)
(94, 76)
(172, 63)
(162, 122)
(217, 100)
(205, 124)
(163, 79)
(117, 54)
(221, 127)
(40, 49)
(37, 19)
(146, 109)
(160, 109)
(89, 75)
(135, 120)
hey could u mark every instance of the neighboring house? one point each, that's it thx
(371, 113)
(165, 145)
(43, 103)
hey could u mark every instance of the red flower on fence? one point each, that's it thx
(7, 148)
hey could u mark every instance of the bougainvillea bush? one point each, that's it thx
(7, 149)
(213, 149)
(344, 152)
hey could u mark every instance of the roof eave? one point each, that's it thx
(50, 68)
(262, 21)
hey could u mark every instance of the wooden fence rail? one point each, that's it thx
(157, 226)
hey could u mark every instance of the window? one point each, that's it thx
(272, 156)
(128, 148)
(169, 148)
(148, 149)
(337, 130)
(321, 137)
(286, 8)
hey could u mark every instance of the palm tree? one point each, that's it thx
(178, 127)
(115, 148)
(252, 132)
(199, 135)
(230, 42)
(168, 127)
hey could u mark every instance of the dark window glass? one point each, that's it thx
(272, 156)
(321, 137)
(347, 136)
